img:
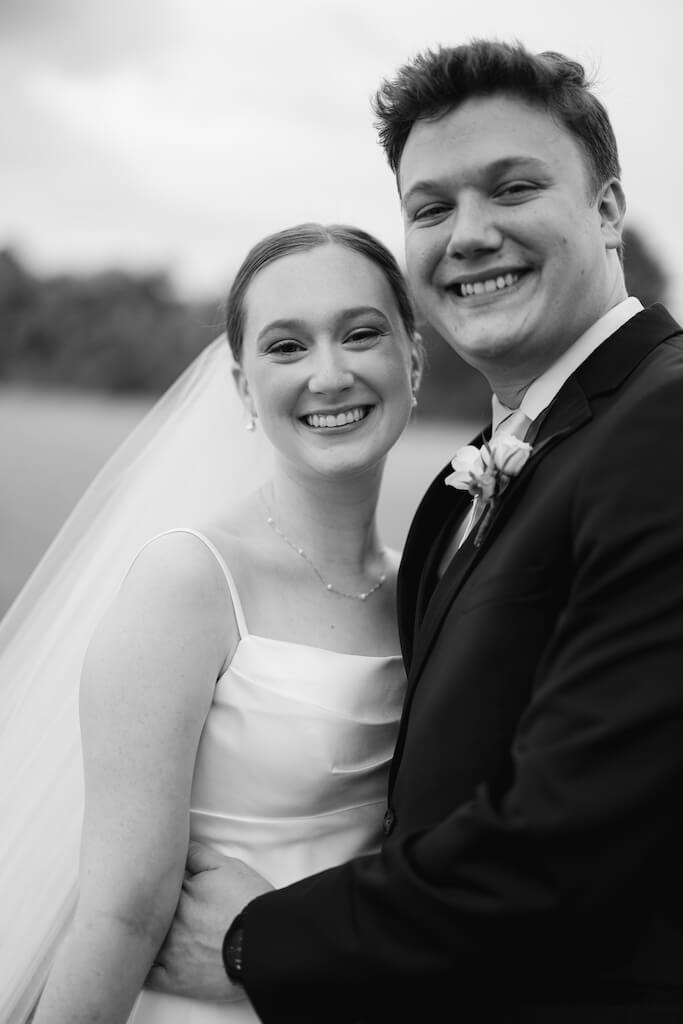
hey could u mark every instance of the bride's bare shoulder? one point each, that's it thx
(239, 536)
(177, 565)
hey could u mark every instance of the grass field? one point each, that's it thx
(53, 443)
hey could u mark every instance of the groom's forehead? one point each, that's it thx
(482, 134)
(432, 138)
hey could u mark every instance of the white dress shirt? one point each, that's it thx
(541, 391)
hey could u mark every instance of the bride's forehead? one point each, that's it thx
(330, 261)
(321, 279)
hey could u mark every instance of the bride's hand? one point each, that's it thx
(215, 890)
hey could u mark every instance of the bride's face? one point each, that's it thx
(326, 361)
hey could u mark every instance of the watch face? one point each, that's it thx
(232, 949)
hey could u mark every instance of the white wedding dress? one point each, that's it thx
(291, 771)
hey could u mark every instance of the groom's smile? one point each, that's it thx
(485, 284)
(509, 245)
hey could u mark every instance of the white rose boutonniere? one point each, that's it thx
(468, 465)
(485, 472)
(509, 454)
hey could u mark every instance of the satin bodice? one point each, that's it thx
(291, 770)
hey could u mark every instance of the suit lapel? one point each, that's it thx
(450, 508)
(440, 508)
(609, 366)
(605, 370)
(570, 412)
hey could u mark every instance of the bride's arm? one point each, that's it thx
(146, 688)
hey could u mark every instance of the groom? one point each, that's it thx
(532, 868)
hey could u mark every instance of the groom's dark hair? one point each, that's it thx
(437, 81)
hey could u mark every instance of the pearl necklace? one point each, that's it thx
(362, 596)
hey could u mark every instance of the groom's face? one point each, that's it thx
(510, 254)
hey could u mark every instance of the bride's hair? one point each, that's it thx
(302, 238)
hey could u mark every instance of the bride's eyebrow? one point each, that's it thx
(297, 324)
(287, 324)
(354, 311)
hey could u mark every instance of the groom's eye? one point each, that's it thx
(429, 212)
(513, 190)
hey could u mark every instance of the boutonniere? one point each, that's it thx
(485, 472)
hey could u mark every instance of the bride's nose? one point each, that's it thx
(330, 371)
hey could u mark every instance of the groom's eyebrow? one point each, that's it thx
(427, 185)
(492, 170)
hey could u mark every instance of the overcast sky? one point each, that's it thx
(172, 134)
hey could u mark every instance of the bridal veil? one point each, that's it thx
(187, 461)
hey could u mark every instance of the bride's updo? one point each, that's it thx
(302, 238)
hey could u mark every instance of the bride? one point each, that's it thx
(243, 684)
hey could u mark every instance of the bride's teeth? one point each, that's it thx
(340, 419)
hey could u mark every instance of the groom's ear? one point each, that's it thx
(611, 205)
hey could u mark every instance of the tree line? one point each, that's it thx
(125, 333)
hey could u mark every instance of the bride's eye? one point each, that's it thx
(364, 335)
(285, 347)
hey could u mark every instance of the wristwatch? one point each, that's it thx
(232, 949)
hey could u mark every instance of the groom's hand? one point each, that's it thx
(190, 962)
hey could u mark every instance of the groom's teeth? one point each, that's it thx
(491, 284)
(340, 419)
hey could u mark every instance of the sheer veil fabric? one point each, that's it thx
(188, 460)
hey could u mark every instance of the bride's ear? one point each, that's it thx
(240, 380)
(242, 385)
(417, 361)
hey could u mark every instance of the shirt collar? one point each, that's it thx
(541, 391)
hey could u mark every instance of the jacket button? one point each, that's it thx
(389, 821)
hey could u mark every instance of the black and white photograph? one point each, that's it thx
(341, 515)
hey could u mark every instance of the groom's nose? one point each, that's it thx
(474, 230)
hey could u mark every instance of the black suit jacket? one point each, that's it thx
(533, 864)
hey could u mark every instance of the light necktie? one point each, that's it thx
(516, 423)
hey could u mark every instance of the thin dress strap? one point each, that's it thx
(236, 603)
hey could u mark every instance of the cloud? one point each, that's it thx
(181, 130)
(81, 34)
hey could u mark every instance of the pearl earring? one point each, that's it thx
(251, 425)
(414, 382)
